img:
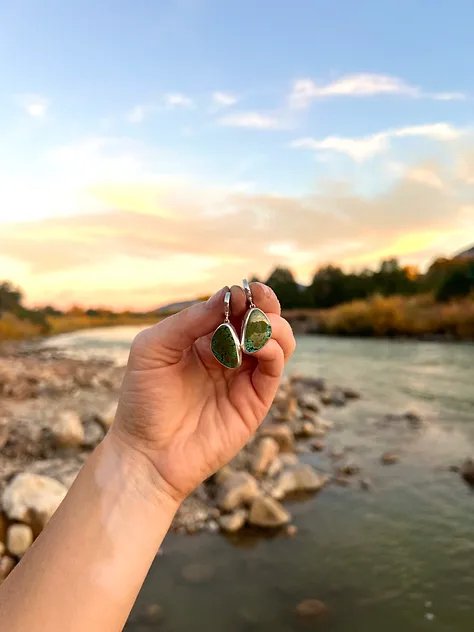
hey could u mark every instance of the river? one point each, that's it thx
(398, 557)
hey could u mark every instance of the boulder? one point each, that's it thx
(238, 489)
(19, 539)
(68, 431)
(299, 478)
(311, 608)
(282, 435)
(467, 471)
(32, 498)
(234, 521)
(268, 513)
(265, 452)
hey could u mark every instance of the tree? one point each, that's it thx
(283, 283)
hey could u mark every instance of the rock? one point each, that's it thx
(316, 383)
(223, 474)
(192, 514)
(32, 498)
(7, 564)
(299, 478)
(3, 527)
(196, 573)
(317, 445)
(238, 489)
(311, 608)
(309, 401)
(287, 407)
(234, 521)
(282, 435)
(289, 459)
(291, 530)
(305, 429)
(265, 452)
(350, 393)
(19, 539)
(153, 613)
(467, 471)
(68, 431)
(93, 433)
(389, 458)
(341, 480)
(366, 484)
(275, 467)
(268, 513)
(107, 416)
(349, 469)
(333, 398)
(4, 433)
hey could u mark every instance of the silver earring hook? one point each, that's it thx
(248, 292)
(227, 307)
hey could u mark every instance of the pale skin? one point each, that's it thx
(180, 417)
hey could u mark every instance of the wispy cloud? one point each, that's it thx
(251, 120)
(34, 105)
(365, 147)
(137, 114)
(224, 99)
(178, 100)
(305, 91)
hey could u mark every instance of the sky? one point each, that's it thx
(155, 151)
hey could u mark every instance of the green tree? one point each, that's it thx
(290, 294)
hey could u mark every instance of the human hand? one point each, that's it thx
(180, 408)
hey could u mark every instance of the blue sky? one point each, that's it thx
(294, 116)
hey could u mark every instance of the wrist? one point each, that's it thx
(140, 476)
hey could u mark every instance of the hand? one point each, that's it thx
(183, 410)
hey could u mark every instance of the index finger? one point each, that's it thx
(263, 297)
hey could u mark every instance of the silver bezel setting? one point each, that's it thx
(244, 325)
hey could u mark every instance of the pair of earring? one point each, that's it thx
(256, 331)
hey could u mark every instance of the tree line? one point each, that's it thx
(445, 279)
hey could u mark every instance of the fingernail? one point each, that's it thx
(218, 297)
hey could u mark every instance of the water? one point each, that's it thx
(400, 557)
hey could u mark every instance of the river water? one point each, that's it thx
(398, 557)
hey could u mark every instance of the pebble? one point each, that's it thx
(19, 539)
(389, 458)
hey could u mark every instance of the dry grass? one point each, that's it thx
(13, 328)
(400, 316)
(72, 322)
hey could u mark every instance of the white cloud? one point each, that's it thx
(34, 105)
(137, 114)
(224, 99)
(178, 100)
(251, 120)
(425, 174)
(305, 90)
(365, 147)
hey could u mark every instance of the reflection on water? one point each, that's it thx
(400, 557)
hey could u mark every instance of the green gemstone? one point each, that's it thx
(257, 330)
(224, 346)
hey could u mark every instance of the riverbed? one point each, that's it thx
(399, 556)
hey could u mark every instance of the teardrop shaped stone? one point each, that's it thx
(256, 332)
(225, 346)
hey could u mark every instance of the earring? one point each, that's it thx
(225, 344)
(256, 328)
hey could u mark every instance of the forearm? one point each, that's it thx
(86, 568)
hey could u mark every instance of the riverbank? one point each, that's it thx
(54, 410)
(419, 317)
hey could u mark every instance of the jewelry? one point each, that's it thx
(225, 344)
(256, 328)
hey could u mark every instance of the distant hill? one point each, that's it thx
(466, 254)
(172, 308)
